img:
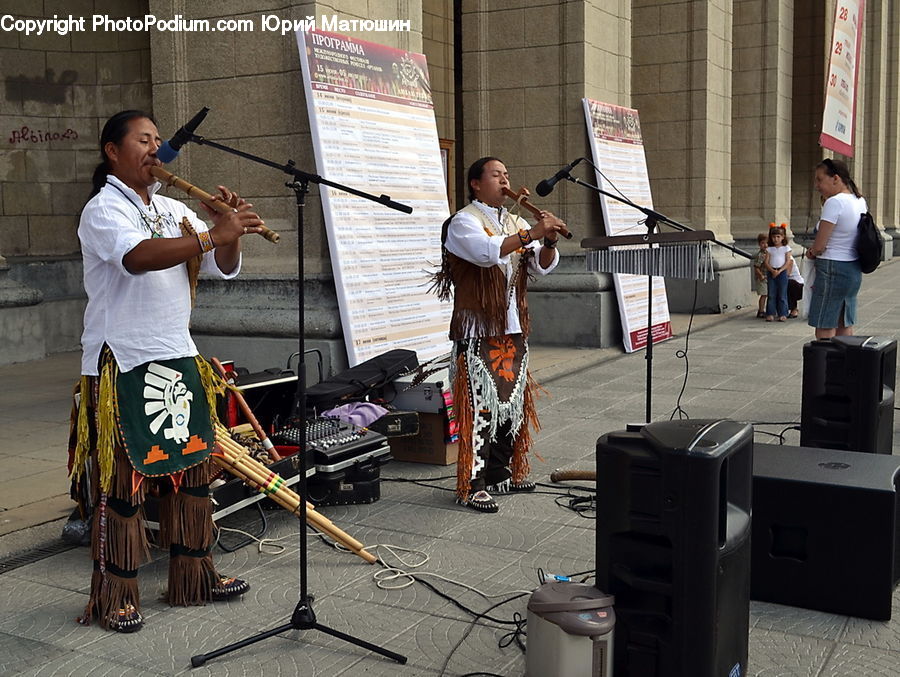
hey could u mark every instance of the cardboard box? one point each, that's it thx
(429, 445)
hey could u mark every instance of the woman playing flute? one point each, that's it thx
(147, 407)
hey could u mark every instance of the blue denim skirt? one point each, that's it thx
(834, 289)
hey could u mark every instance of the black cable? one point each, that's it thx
(614, 186)
(583, 506)
(779, 435)
(683, 355)
(514, 635)
(582, 573)
(419, 479)
(425, 482)
(790, 427)
(472, 626)
(463, 607)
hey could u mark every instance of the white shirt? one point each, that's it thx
(143, 316)
(794, 273)
(778, 255)
(843, 210)
(467, 239)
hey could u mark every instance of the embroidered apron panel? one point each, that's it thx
(502, 356)
(163, 417)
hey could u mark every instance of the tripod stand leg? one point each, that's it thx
(200, 659)
(361, 642)
(303, 619)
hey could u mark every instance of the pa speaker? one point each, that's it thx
(848, 394)
(673, 546)
(826, 529)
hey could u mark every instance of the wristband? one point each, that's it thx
(524, 237)
(206, 241)
(550, 244)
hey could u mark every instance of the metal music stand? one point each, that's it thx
(647, 261)
(651, 263)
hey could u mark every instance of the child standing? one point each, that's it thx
(759, 273)
(794, 290)
(778, 263)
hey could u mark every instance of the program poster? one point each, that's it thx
(839, 115)
(373, 129)
(618, 151)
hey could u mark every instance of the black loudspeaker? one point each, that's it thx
(673, 546)
(826, 529)
(848, 394)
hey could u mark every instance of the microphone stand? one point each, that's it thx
(303, 616)
(652, 222)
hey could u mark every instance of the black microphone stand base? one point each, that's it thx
(303, 618)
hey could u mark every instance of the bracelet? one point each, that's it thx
(524, 237)
(206, 241)
(550, 244)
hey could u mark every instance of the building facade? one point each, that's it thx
(730, 95)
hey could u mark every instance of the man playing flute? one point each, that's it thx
(147, 400)
(487, 256)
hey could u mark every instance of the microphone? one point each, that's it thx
(169, 150)
(545, 187)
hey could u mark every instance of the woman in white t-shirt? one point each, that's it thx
(778, 263)
(832, 309)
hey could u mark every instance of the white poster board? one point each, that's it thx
(373, 129)
(618, 151)
(839, 114)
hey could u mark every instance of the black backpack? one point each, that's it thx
(869, 245)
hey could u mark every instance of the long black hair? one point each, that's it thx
(114, 130)
(839, 168)
(475, 172)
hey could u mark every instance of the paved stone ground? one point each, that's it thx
(591, 393)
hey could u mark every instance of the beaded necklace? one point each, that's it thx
(507, 227)
(153, 222)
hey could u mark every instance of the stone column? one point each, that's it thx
(873, 122)
(527, 65)
(884, 26)
(761, 114)
(56, 89)
(22, 336)
(811, 47)
(683, 82)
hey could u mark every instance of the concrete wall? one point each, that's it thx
(57, 91)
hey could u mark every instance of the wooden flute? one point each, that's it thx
(522, 198)
(170, 179)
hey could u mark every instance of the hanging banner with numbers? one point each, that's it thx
(372, 123)
(838, 118)
(618, 150)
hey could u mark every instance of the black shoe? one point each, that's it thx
(510, 487)
(226, 588)
(480, 501)
(127, 619)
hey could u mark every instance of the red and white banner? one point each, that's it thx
(839, 115)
